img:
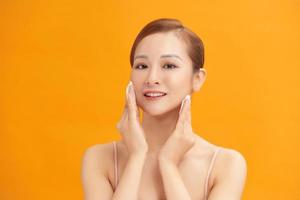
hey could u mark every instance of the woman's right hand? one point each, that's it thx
(129, 125)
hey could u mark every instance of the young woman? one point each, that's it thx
(161, 157)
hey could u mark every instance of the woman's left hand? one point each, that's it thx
(182, 139)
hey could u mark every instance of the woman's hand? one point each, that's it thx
(182, 139)
(129, 124)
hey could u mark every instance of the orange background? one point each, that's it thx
(65, 65)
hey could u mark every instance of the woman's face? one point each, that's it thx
(161, 63)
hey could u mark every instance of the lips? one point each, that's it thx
(154, 93)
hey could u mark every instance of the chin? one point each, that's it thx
(155, 113)
(159, 111)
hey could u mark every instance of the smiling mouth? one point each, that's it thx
(154, 96)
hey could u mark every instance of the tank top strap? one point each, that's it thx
(209, 171)
(115, 164)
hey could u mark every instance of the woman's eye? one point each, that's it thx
(138, 66)
(170, 66)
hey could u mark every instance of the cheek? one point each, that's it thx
(137, 76)
(136, 80)
(179, 87)
(180, 82)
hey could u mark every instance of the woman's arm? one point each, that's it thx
(129, 183)
(137, 147)
(172, 181)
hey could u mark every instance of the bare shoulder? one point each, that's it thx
(231, 157)
(94, 173)
(228, 175)
(97, 156)
(229, 163)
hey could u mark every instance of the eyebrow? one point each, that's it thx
(162, 56)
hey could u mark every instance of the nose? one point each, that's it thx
(152, 77)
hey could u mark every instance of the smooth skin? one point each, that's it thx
(165, 134)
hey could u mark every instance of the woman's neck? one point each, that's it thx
(158, 128)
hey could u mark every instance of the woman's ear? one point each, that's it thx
(198, 79)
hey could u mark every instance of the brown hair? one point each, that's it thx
(194, 44)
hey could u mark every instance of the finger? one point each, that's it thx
(136, 108)
(188, 117)
(132, 107)
(125, 120)
(187, 110)
(137, 113)
(133, 98)
(125, 109)
(126, 96)
(181, 106)
(122, 117)
(181, 113)
(184, 107)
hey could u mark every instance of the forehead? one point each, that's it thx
(157, 44)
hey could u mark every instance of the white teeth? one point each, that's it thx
(154, 94)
